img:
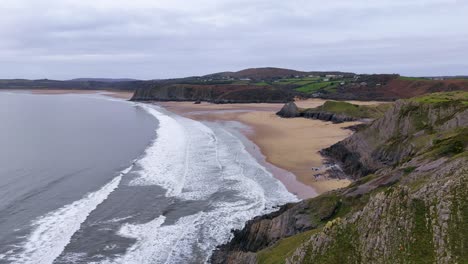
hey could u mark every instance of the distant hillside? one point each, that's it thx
(77, 84)
(269, 73)
(256, 85)
(110, 80)
(262, 85)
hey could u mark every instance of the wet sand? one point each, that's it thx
(290, 144)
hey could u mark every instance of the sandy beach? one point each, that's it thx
(290, 144)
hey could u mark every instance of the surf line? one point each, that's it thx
(53, 231)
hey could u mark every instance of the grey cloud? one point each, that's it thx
(157, 39)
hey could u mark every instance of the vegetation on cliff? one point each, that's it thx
(408, 203)
(335, 111)
(352, 110)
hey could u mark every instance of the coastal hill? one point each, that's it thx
(75, 84)
(110, 80)
(282, 85)
(270, 73)
(261, 85)
(408, 202)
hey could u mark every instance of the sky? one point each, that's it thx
(152, 39)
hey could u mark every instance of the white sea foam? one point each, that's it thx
(164, 161)
(53, 231)
(213, 162)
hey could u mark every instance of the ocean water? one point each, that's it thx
(88, 179)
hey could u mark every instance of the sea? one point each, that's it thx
(86, 178)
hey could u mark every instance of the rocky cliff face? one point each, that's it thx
(213, 93)
(408, 128)
(409, 203)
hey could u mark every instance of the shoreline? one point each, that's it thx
(287, 148)
(290, 145)
(126, 95)
(287, 178)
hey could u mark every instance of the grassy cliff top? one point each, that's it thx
(443, 97)
(352, 110)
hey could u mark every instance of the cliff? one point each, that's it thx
(408, 203)
(227, 93)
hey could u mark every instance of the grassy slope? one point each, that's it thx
(447, 97)
(283, 249)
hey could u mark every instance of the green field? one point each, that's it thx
(314, 87)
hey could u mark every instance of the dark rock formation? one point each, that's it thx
(327, 116)
(289, 110)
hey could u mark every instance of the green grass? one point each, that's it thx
(407, 78)
(302, 83)
(421, 248)
(283, 249)
(323, 208)
(450, 144)
(314, 87)
(443, 97)
(357, 111)
(344, 249)
(458, 226)
(409, 169)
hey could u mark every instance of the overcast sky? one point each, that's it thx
(150, 39)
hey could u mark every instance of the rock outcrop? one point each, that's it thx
(327, 116)
(334, 111)
(289, 110)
